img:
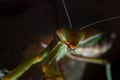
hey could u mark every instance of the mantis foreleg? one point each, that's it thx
(17, 72)
(50, 73)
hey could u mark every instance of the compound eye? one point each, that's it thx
(62, 34)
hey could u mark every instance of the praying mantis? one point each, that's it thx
(80, 44)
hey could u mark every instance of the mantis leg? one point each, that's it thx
(59, 68)
(18, 71)
(96, 61)
(49, 72)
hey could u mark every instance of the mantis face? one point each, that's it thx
(70, 37)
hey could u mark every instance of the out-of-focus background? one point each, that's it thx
(23, 23)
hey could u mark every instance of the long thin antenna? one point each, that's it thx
(99, 22)
(66, 11)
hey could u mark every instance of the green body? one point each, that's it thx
(57, 49)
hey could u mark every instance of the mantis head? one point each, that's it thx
(70, 37)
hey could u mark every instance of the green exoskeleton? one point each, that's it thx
(80, 44)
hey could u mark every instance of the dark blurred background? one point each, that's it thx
(24, 22)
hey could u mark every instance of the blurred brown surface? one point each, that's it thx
(21, 21)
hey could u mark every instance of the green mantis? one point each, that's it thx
(76, 44)
(67, 42)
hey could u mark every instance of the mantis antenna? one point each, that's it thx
(66, 11)
(104, 20)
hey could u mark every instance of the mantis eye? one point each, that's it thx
(70, 37)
